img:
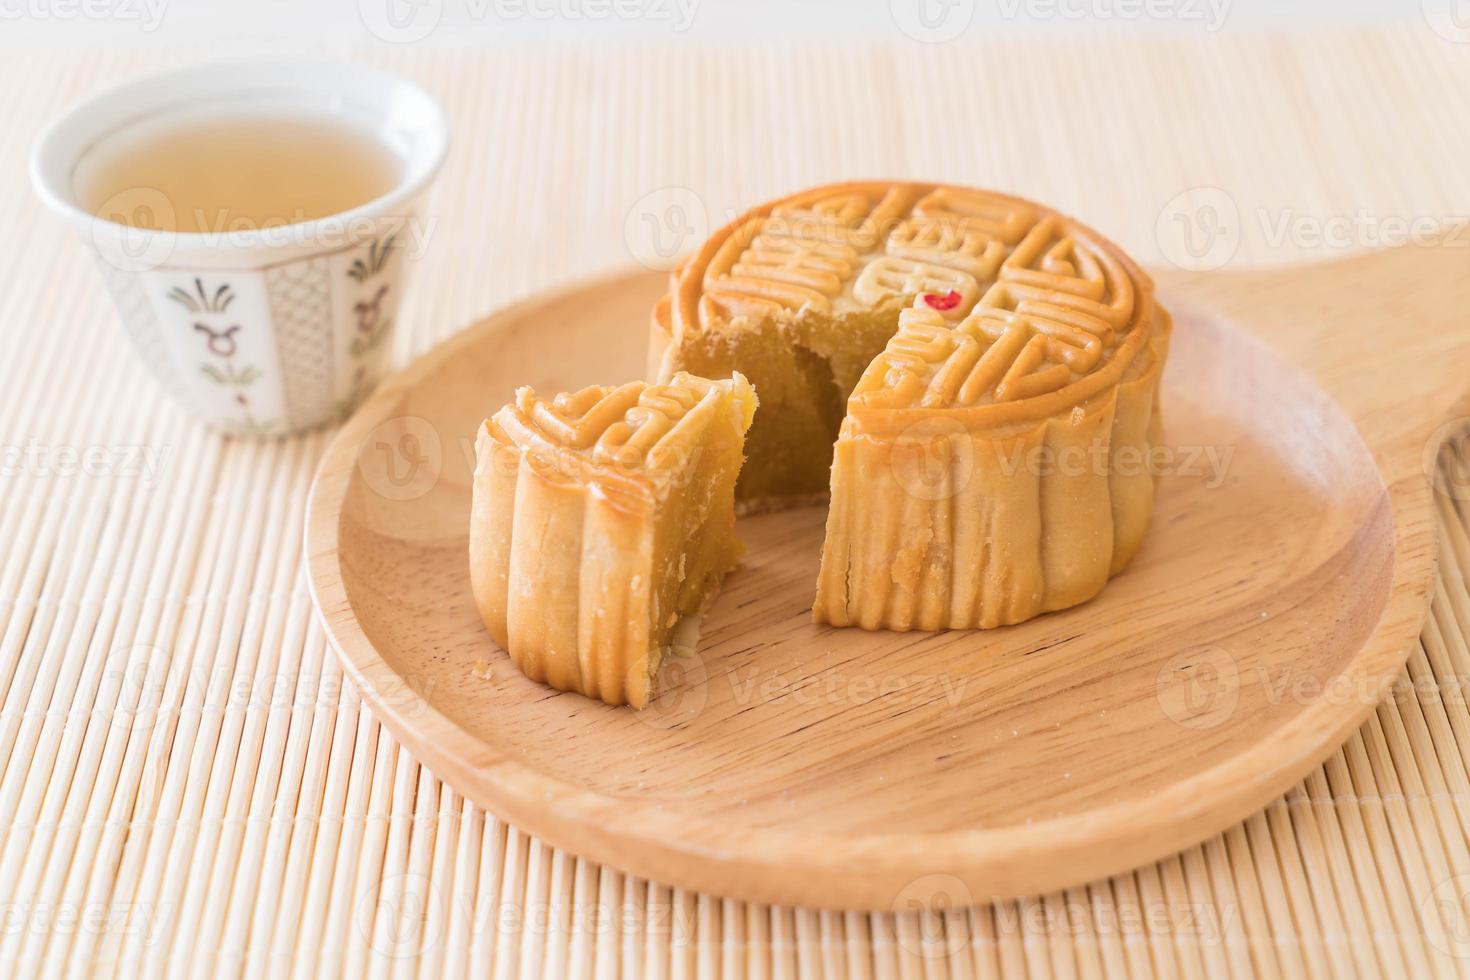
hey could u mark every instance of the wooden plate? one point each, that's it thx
(1284, 580)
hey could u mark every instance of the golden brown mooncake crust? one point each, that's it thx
(1028, 340)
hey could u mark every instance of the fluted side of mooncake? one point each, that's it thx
(598, 519)
(993, 464)
(940, 526)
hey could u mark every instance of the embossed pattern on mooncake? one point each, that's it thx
(864, 246)
(629, 432)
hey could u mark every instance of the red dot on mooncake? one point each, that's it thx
(946, 302)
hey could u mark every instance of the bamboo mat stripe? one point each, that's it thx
(188, 785)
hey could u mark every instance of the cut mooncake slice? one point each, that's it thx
(600, 518)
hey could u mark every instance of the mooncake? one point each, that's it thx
(986, 368)
(600, 518)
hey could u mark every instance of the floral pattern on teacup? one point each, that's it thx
(222, 363)
(269, 350)
(370, 279)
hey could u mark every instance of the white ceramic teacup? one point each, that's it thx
(266, 330)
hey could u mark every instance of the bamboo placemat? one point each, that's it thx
(186, 784)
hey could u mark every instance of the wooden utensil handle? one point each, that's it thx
(1386, 334)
